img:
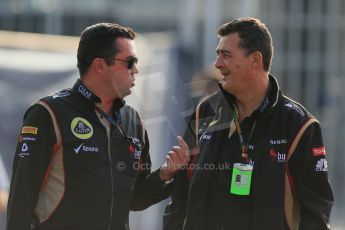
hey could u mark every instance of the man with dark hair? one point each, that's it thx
(82, 159)
(269, 168)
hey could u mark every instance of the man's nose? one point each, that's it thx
(218, 63)
(135, 69)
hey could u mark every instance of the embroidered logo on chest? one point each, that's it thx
(277, 141)
(85, 148)
(135, 148)
(276, 156)
(81, 128)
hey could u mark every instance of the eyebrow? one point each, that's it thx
(130, 57)
(223, 51)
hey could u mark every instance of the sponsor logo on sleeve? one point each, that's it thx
(25, 147)
(296, 108)
(28, 139)
(65, 93)
(25, 138)
(29, 129)
(81, 128)
(321, 165)
(24, 151)
(321, 151)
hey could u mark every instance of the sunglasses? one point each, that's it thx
(130, 62)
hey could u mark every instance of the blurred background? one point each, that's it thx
(176, 48)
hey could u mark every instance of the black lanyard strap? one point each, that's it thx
(244, 146)
(116, 122)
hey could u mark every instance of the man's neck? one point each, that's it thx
(251, 99)
(107, 106)
(106, 102)
(247, 107)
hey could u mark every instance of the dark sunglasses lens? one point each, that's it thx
(131, 62)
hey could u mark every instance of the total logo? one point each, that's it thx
(84, 148)
(321, 151)
(277, 156)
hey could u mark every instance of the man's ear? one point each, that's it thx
(257, 61)
(98, 65)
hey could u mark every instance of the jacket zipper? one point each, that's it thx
(111, 178)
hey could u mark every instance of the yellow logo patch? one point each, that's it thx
(81, 128)
(29, 129)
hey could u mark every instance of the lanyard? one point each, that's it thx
(117, 122)
(244, 146)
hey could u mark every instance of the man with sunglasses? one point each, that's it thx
(82, 159)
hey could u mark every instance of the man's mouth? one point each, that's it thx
(225, 75)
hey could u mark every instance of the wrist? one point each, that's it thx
(166, 175)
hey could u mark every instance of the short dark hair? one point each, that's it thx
(99, 40)
(254, 36)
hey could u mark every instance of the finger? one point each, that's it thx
(183, 145)
(175, 157)
(182, 153)
(176, 148)
(172, 162)
(181, 157)
(181, 142)
(168, 160)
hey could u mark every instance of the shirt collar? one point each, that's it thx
(90, 97)
(268, 103)
(83, 91)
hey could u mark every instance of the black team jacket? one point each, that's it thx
(288, 190)
(73, 170)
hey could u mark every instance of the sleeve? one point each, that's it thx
(175, 211)
(149, 188)
(31, 159)
(4, 186)
(308, 166)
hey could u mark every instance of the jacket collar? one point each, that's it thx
(91, 98)
(268, 103)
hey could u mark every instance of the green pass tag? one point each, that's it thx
(241, 179)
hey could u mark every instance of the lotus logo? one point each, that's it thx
(81, 128)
